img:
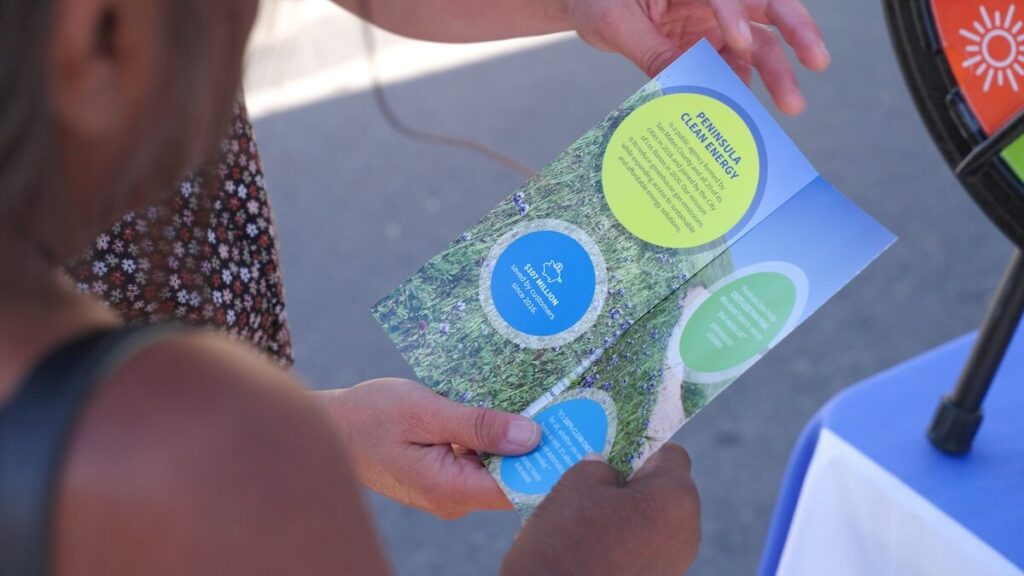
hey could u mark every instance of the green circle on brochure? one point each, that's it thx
(737, 322)
(681, 171)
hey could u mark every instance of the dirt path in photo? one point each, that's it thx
(668, 414)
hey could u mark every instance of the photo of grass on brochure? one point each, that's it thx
(618, 291)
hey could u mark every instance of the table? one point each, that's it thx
(866, 493)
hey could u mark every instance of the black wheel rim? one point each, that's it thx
(983, 149)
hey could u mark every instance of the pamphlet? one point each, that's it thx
(635, 277)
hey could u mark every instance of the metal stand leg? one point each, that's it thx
(959, 414)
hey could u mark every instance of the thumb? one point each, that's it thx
(632, 33)
(669, 466)
(591, 471)
(484, 430)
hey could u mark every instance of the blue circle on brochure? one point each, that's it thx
(543, 283)
(569, 431)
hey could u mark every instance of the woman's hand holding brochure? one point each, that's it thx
(417, 447)
(653, 33)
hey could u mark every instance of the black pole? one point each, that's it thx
(959, 414)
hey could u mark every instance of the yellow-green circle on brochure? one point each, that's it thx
(682, 170)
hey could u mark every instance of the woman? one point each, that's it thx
(163, 451)
(217, 264)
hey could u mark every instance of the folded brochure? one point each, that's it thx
(634, 278)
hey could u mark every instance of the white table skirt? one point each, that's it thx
(855, 518)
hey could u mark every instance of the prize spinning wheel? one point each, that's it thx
(963, 61)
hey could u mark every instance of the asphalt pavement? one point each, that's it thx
(360, 208)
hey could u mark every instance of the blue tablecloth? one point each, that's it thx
(885, 418)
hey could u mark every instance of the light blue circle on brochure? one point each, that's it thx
(543, 283)
(570, 430)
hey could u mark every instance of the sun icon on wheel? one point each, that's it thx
(995, 49)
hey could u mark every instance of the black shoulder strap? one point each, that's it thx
(35, 427)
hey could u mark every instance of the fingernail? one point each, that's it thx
(746, 38)
(824, 58)
(793, 104)
(522, 433)
(594, 457)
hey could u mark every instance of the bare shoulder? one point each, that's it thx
(199, 457)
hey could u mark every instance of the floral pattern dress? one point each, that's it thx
(209, 258)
